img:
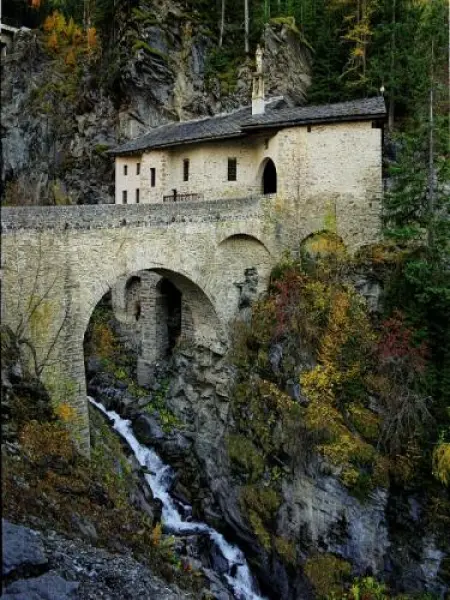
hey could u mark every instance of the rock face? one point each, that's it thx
(75, 570)
(22, 550)
(46, 587)
(316, 512)
(57, 154)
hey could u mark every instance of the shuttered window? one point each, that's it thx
(125, 169)
(186, 169)
(138, 168)
(124, 197)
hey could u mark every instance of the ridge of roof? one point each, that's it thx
(240, 122)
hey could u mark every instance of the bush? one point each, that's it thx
(245, 457)
(327, 574)
(261, 505)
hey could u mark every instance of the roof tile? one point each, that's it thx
(240, 122)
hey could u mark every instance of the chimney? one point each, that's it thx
(258, 84)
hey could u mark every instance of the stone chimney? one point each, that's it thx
(258, 84)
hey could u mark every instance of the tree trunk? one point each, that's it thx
(246, 27)
(431, 157)
(222, 23)
(391, 92)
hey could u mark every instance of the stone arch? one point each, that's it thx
(236, 255)
(267, 177)
(199, 322)
(321, 244)
(202, 322)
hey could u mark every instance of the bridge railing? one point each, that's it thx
(93, 216)
(176, 197)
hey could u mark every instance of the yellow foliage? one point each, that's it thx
(91, 36)
(66, 413)
(156, 534)
(441, 462)
(319, 383)
(44, 442)
(70, 59)
(103, 340)
(348, 447)
(338, 329)
(52, 41)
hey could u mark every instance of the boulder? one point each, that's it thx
(45, 587)
(23, 551)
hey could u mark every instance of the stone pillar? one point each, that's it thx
(154, 332)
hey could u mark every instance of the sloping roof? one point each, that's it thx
(240, 122)
(354, 110)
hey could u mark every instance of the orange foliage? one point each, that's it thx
(67, 38)
(66, 413)
(156, 534)
(103, 340)
(52, 42)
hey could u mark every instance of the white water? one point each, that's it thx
(159, 480)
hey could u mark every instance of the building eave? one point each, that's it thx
(312, 121)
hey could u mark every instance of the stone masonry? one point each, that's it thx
(58, 262)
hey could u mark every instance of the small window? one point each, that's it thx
(152, 177)
(186, 169)
(232, 169)
(124, 197)
(138, 168)
(137, 195)
(125, 169)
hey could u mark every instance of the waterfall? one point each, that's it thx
(159, 479)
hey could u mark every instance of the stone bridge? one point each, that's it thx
(58, 262)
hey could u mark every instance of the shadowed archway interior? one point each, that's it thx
(269, 179)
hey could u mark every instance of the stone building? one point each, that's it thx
(298, 153)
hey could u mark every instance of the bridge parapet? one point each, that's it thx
(111, 216)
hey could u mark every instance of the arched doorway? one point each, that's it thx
(269, 178)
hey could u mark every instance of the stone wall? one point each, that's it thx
(66, 218)
(57, 263)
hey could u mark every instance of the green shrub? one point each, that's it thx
(327, 574)
(245, 457)
(261, 505)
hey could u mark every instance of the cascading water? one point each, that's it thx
(159, 479)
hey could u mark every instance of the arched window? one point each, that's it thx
(269, 178)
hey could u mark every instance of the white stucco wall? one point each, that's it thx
(129, 182)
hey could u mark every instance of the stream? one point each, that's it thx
(159, 479)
